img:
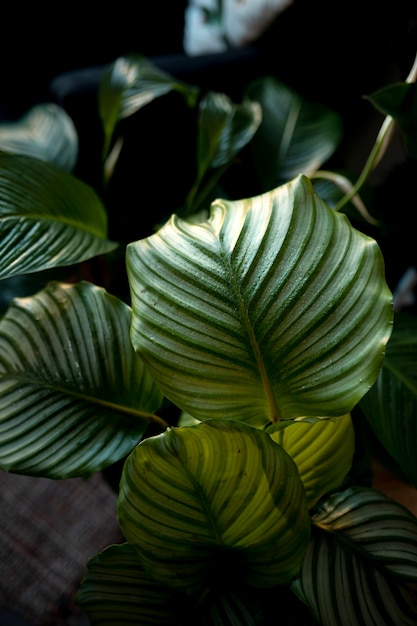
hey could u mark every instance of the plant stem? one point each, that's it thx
(379, 149)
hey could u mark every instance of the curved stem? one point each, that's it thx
(379, 149)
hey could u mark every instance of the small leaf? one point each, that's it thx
(273, 308)
(130, 83)
(295, 136)
(224, 128)
(45, 132)
(390, 406)
(74, 397)
(212, 505)
(400, 102)
(323, 452)
(116, 591)
(48, 218)
(361, 566)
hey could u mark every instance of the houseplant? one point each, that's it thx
(265, 323)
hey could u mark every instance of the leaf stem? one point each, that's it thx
(379, 148)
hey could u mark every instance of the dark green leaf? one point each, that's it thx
(117, 592)
(48, 218)
(224, 128)
(74, 397)
(361, 566)
(212, 505)
(400, 102)
(45, 132)
(391, 404)
(295, 136)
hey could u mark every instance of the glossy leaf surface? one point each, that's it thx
(391, 404)
(45, 132)
(361, 566)
(74, 397)
(48, 218)
(219, 500)
(117, 592)
(323, 452)
(273, 308)
(295, 136)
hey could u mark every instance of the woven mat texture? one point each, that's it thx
(48, 531)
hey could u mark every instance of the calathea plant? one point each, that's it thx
(266, 322)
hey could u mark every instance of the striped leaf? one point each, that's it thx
(361, 565)
(74, 397)
(323, 452)
(232, 608)
(48, 218)
(294, 137)
(212, 505)
(273, 308)
(391, 405)
(45, 132)
(117, 592)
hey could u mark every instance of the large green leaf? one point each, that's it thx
(74, 397)
(391, 404)
(295, 136)
(212, 505)
(48, 218)
(116, 591)
(46, 132)
(361, 566)
(273, 308)
(400, 102)
(323, 452)
(130, 83)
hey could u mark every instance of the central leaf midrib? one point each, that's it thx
(120, 408)
(203, 499)
(274, 413)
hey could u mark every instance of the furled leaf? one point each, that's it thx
(212, 505)
(48, 218)
(273, 308)
(116, 591)
(45, 132)
(130, 83)
(323, 452)
(295, 136)
(361, 566)
(400, 102)
(224, 128)
(74, 397)
(391, 404)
